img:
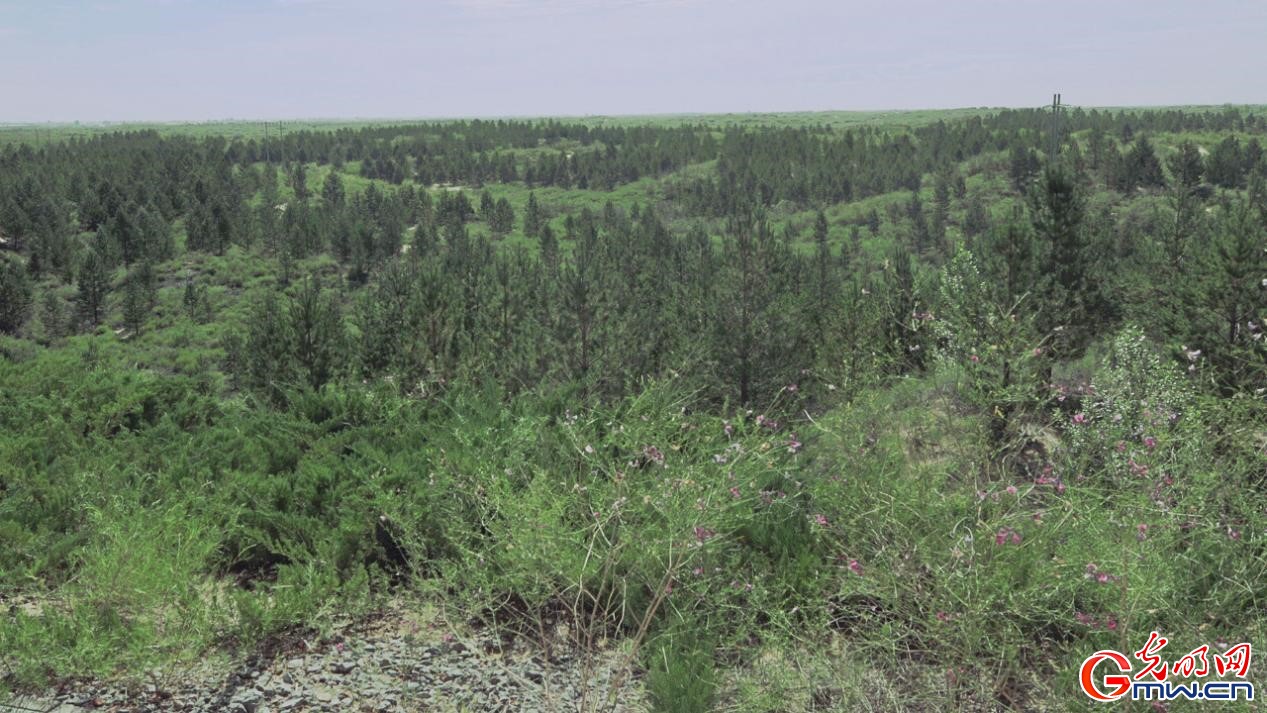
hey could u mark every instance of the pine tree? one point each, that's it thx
(1232, 301)
(52, 316)
(1023, 167)
(1186, 166)
(549, 248)
(156, 235)
(127, 238)
(332, 190)
(190, 300)
(267, 360)
(136, 309)
(1057, 209)
(316, 328)
(1010, 256)
(921, 236)
(1095, 148)
(1140, 167)
(1226, 166)
(873, 221)
(487, 207)
(907, 351)
(503, 217)
(941, 211)
(1252, 157)
(824, 262)
(976, 220)
(855, 247)
(15, 296)
(139, 295)
(299, 181)
(93, 285)
(532, 217)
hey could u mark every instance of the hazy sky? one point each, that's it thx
(209, 59)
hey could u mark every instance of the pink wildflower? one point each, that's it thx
(1079, 418)
(1006, 535)
(653, 454)
(1094, 573)
(734, 492)
(703, 534)
(821, 520)
(856, 567)
(1141, 532)
(1150, 441)
(1011, 490)
(974, 359)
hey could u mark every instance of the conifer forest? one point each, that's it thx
(771, 412)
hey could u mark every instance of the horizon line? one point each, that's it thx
(648, 115)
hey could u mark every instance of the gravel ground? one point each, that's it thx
(389, 666)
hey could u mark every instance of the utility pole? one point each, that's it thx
(1055, 128)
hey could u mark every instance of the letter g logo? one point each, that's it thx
(1120, 684)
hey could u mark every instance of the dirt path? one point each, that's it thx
(390, 664)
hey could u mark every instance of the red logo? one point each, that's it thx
(1120, 684)
(1106, 675)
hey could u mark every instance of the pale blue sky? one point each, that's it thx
(210, 59)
